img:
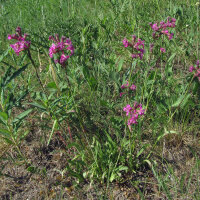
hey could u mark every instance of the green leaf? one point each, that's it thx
(32, 169)
(181, 101)
(120, 65)
(112, 177)
(3, 117)
(52, 131)
(5, 133)
(15, 74)
(52, 85)
(22, 115)
(37, 105)
(5, 53)
(122, 168)
(22, 136)
(8, 141)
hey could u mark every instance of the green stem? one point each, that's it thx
(19, 151)
(154, 78)
(36, 71)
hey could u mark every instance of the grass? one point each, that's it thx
(63, 129)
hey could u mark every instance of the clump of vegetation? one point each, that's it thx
(108, 105)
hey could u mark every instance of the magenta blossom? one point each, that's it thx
(195, 70)
(61, 47)
(133, 87)
(137, 46)
(133, 112)
(125, 85)
(125, 43)
(121, 94)
(22, 44)
(161, 29)
(163, 50)
(191, 69)
(197, 63)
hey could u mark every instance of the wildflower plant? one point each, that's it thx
(162, 29)
(22, 43)
(137, 47)
(60, 48)
(133, 112)
(109, 136)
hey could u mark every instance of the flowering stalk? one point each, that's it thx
(137, 47)
(61, 48)
(22, 44)
(162, 28)
(133, 112)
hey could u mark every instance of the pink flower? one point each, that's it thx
(196, 70)
(162, 28)
(163, 50)
(127, 109)
(191, 69)
(121, 93)
(125, 43)
(170, 36)
(154, 26)
(133, 87)
(125, 85)
(133, 112)
(138, 47)
(61, 47)
(22, 44)
(197, 63)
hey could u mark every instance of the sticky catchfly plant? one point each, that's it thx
(161, 29)
(133, 113)
(133, 87)
(136, 45)
(63, 48)
(22, 44)
(163, 50)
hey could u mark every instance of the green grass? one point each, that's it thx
(80, 104)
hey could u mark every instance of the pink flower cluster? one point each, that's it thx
(60, 47)
(22, 44)
(137, 46)
(163, 50)
(133, 112)
(162, 28)
(126, 85)
(196, 70)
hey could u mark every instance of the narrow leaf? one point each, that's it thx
(15, 74)
(5, 132)
(52, 131)
(22, 115)
(3, 117)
